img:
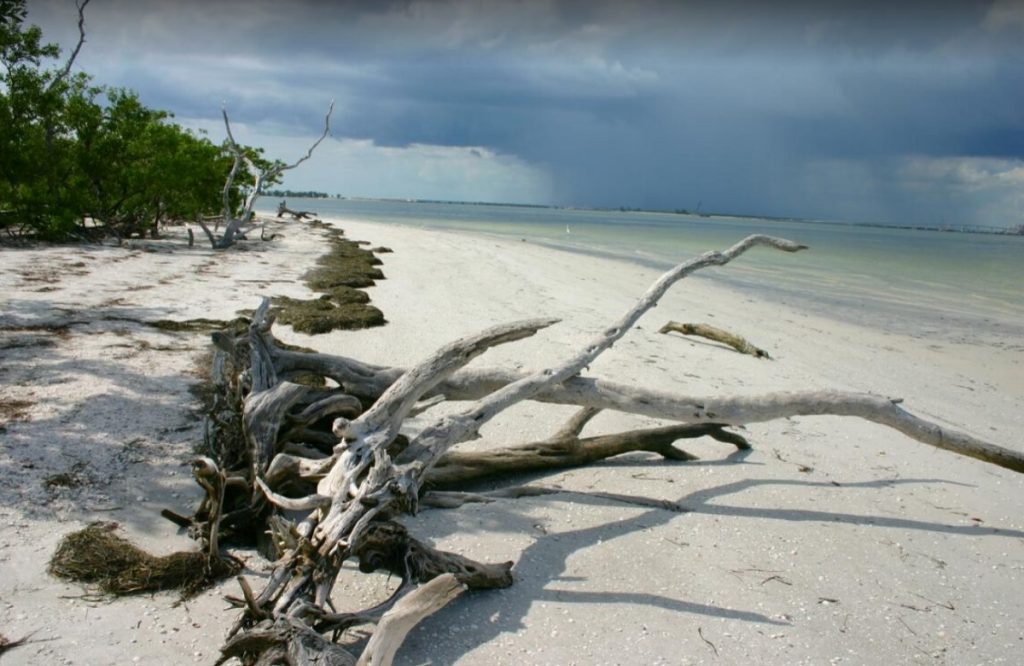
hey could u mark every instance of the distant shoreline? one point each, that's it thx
(961, 228)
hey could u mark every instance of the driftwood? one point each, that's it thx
(407, 613)
(283, 209)
(288, 442)
(709, 332)
(235, 226)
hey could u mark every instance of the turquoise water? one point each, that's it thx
(908, 280)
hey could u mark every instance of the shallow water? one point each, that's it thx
(904, 280)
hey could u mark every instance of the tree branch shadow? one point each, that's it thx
(545, 561)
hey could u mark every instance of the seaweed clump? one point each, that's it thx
(347, 264)
(13, 410)
(97, 556)
(324, 314)
(200, 325)
(338, 276)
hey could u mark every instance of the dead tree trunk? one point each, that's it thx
(234, 226)
(301, 447)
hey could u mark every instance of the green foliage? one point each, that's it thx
(77, 159)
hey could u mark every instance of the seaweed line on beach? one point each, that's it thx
(339, 277)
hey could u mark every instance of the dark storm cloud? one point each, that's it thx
(828, 109)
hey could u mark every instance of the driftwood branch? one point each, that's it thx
(709, 332)
(471, 384)
(733, 410)
(451, 499)
(436, 439)
(457, 468)
(407, 613)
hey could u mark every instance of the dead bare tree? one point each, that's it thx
(61, 77)
(235, 225)
(66, 69)
(306, 447)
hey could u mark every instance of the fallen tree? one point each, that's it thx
(285, 440)
(283, 209)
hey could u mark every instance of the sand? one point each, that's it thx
(833, 541)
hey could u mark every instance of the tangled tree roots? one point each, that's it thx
(328, 450)
(98, 556)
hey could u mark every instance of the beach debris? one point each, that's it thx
(13, 410)
(322, 315)
(283, 209)
(332, 451)
(339, 275)
(567, 449)
(709, 332)
(97, 555)
(73, 477)
(700, 632)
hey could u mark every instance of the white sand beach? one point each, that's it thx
(833, 541)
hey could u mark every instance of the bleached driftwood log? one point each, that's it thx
(715, 334)
(365, 380)
(283, 209)
(355, 485)
(234, 226)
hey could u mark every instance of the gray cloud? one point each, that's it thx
(805, 108)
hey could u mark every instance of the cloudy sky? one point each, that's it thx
(895, 112)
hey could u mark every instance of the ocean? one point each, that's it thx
(922, 282)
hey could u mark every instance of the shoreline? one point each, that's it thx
(825, 543)
(805, 282)
(965, 229)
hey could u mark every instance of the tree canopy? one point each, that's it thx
(78, 159)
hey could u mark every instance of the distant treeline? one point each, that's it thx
(309, 194)
(79, 159)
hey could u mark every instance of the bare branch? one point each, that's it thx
(394, 405)
(440, 436)
(206, 229)
(63, 73)
(259, 177)
(307, 503)
(733, 410)
(407, 613)
(309, 153)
